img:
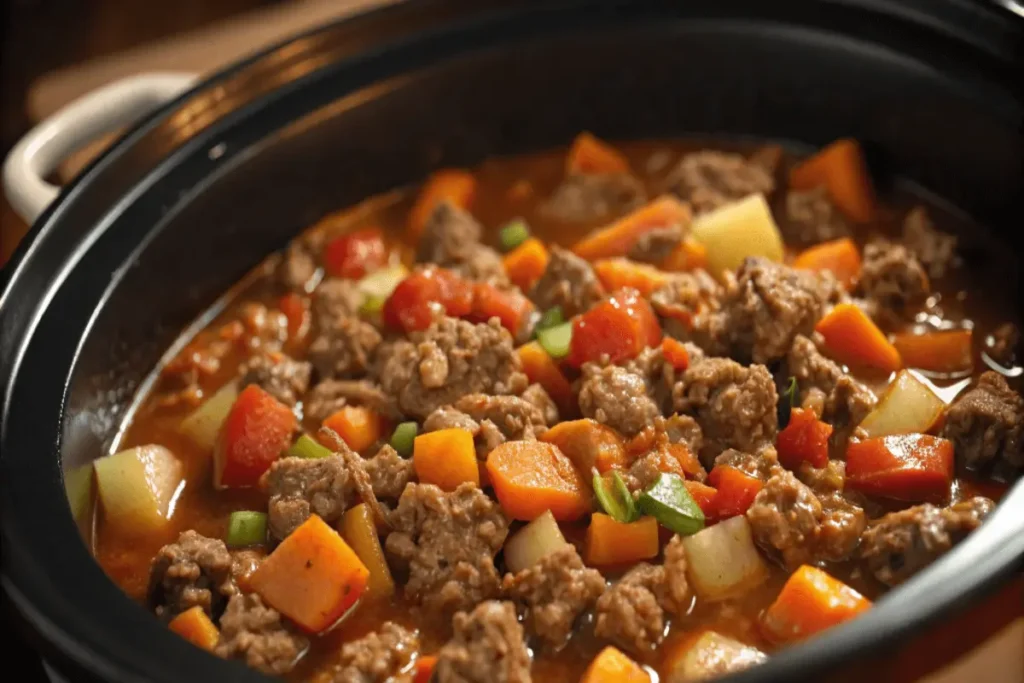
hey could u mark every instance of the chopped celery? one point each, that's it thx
(372, 305)
(555, 340)
(307, 447)
(551, 318)
(668, 501)
(616, 501)
(247, 528)
(403, 437)
(513, 234)
(786, 403)
(381, 283)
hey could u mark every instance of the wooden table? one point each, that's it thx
(984, 644)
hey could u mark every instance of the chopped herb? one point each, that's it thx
(669, 502)
(616, 501)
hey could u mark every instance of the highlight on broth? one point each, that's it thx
(632, 413)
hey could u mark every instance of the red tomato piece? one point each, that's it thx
(509, 306)
(408, 307)
(297, 313)
(620, 327)
(908, 467)
(736, 491)
(354, 255)
(257, 430)
(805, 439)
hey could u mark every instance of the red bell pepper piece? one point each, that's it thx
(736, 491)
(509, 306)
(805, 439)
(408, 307)
(908, 467)
(703, 495)
(354, 255)
(620, 327)
(296, 312)
(257, 430)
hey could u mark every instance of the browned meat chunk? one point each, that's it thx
(900, 544)
(893, 279)
(654, 246)
(569, 282)
(451, 239)
(987, 422)
(539, 397)
(734, 405)
(492, 420)
(334, 300)
(555, 592)
(378, 657)
(761, 464)
(589, 197)
(447, 541)
(331, 395)
(298, 270)
(935, 250)
(682, 429)
(194, 570)
(449, 417)
(771, 304)
(280, 376)
(690, 307)
(487, 646)
(616, 397)
(450, 359)
(298, 488)
(257, 634)
(709, 180)
(811, 217)
(244, 562)
(658, 375)
(389, 473)
(1004, 345)
(345, 349)
(632, 612)
(788, 519)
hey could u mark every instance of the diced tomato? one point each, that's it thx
(620, 327)
(295, 310)
(805, 439)
(908, 467)
(354, 255)
(424, 669)
(703, 495)
(509, 306)
(257, 430)
(675, 353)
(736, 491)
(408, 307)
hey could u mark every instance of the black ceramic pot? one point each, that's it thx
(195, 195)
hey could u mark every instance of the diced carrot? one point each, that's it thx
(424, 669)
(689, 463)
(454, 185)
(358, 426)
(445, 458)
(909, 467)
(257, 430)
(736, 490)
(542, 369)
(530, 477)
(840, 168)
(526, 263)
(852, 338)
(840, 256)
(359, 529)
(675, 353)
(703, 495)
(810, 602)
(611, 542)
(588, 444)
(313, 577)
(510, 306)
(194, 626)
(590, 155)
(408, 307)
(353, 255)
(805, 439)
(611, 666)
(296, 312)
(619, 237)
(620, 327)
(689, 255)
(943, 351)
(616, 273)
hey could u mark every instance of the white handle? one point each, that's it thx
(101, 111)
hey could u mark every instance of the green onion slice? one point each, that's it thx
(555, 340)
(403, 437)
(307, 447)
(372, 305)
(513, 234)
(786, 403)
(668, 501)
(247, 528)
(551, 318)
(616, 501)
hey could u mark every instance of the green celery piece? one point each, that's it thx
(669, 502)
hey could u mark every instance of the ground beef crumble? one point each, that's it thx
(893, 280)
(376, 657)
(259, 636)
(614, 396)
(299, 487)
(710, 180)
(568, 282)
(194, 570)
(487, 647)
(589, 197)
(812, 218)
(279, 375)
(986, 423)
